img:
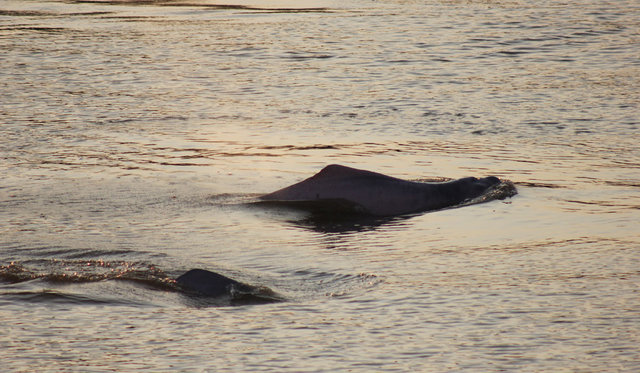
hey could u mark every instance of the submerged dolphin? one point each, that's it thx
(210, 284)
(372, 193)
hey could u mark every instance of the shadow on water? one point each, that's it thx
(326, 216)
(326, 223)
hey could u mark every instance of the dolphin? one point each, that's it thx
(338, 187)
(214, 285)
(209, 283)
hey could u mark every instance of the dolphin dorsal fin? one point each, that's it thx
(336, 171)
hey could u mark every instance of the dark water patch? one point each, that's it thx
(48, 297)
(40, 13)
(511, 53)
(124, 18)
(291, 10)
(543, 124)
(304, 147)
(607, 204)
(80, 14)
(306, 56)
(26, 13)
(631, 184)
(42, 29)
(346, 223)
(192, 4)
(539, 185)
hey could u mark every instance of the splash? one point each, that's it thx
(87, 271)
(505, 189)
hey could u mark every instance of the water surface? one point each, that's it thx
(133, 133)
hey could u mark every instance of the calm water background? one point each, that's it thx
(132, 133)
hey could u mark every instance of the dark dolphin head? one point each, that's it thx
(461, 190)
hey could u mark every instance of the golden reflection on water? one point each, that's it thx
(135, 133)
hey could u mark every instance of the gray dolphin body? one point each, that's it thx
(209, 283)
(214, 285)
(377, 194)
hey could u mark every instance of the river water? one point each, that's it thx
(132, 133)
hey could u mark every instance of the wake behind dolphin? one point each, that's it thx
(341, 188)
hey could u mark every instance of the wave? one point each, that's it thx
(48, 296)
(87, 271)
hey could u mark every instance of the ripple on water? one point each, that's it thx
(133, 134)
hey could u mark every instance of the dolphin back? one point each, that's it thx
(207, 283)
(223, 290)
(342, 189)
